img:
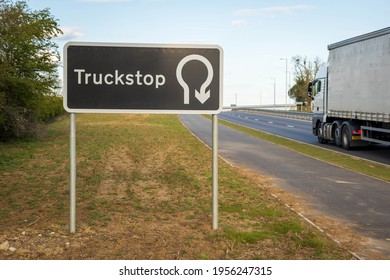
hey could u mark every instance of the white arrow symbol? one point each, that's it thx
(201, 95)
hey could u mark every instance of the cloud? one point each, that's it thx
(239, 23)
(285, 10)
(70, 33)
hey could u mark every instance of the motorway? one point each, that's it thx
(301, 131)
(356, 200)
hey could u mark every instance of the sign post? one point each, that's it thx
(142, 78)
(72, 180)
(215, 171)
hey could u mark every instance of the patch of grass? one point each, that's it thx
(98, 215)
(316, 243)
(5, 213)
(235, 208)
(247, 236)
(203, 256)
(285, 227)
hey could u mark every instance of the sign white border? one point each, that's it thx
(141, 111)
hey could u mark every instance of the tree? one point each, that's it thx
(28, 67)
(305, 71)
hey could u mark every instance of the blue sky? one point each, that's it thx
(255, 34)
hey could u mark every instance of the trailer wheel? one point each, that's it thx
(346, 137)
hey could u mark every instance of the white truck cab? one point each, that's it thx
(318, 90)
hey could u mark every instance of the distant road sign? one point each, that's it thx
(142, 78)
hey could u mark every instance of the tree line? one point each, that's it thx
(29, 80)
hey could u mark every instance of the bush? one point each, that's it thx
(24, 123)
(28, 70)
(48, 107)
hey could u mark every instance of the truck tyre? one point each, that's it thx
(337, 136)
(346, 137)
(320, 134)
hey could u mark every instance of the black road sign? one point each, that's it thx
(132, 78)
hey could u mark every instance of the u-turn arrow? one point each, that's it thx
(202, 95)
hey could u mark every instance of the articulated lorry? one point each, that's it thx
(351, 95)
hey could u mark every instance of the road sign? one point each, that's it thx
(135, 78)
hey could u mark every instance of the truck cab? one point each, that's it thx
(317, 91)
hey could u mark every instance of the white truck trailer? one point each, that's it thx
(351, 95)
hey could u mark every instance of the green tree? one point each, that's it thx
(28, 67)
(305, 71)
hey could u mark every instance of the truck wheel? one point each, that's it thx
(337, 136)
(346, 138)
(336, 132)
(320, 135)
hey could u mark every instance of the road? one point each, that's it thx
(301, 130)
(352, 198)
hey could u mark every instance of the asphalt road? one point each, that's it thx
(352, 198)
(301, 130)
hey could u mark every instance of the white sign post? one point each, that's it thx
(72, 180)
(215, 171)
(142, 78)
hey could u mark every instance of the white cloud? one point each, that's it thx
(70, 33)
(240, 23)
(286, 10)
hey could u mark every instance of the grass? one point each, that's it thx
(143, 192)
(360, 165)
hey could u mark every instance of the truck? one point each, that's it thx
(351, 94)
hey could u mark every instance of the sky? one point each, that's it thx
(258, 37)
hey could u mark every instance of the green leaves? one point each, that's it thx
(28, 65)
(305, 72)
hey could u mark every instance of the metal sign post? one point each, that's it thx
(72, 182)
(142, 78)
(215, 171)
